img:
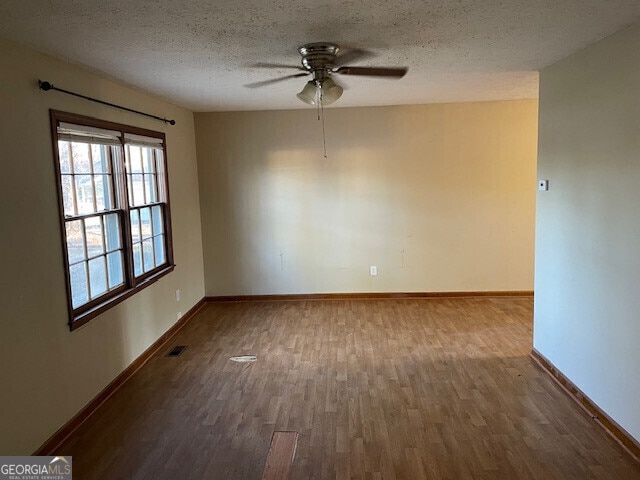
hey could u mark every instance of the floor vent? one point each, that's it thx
(244, 358)
(176, 351)
(282, 452)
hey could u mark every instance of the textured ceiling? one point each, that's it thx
(198, 54)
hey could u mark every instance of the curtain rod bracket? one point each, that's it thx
(46, 86)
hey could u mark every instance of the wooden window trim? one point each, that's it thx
(83, 314)
(115, 298)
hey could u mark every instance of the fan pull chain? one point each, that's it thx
(324, 137)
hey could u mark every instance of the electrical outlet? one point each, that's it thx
(543, 185)
(178, 295)
(373, 270)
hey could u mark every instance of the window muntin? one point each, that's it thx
(114, 209)
(147, 212)
(92, 218)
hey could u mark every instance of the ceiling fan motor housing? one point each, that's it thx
(319, 58)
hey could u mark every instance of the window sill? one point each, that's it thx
(77, 321)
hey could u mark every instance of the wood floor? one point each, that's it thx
(376, 389)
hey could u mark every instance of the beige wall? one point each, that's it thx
(438, 197)
(46, 372)
(588, 228)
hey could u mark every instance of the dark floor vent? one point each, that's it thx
(176, 351)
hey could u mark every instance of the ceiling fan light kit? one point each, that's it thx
(330, 91)
(325, 92)
(309, 93)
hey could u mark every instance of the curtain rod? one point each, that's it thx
(46, 86)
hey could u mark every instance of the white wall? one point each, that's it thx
(587, 304)
(47, 373)
(438, 197)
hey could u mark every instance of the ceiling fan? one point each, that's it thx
(322, 60)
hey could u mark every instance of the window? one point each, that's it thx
(114, 206)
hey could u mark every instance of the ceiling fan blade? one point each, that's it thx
(397, 72)
(275, 65)
(352, 55)
(264, 83)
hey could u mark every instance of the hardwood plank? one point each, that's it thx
(56, 440)
(435, 388)
(618, 433)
